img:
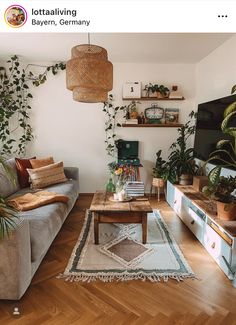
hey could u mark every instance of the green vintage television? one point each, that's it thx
(127, 149)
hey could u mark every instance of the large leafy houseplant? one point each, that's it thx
(8, 214)
(225, 153)
(221, 190)
(181, 159)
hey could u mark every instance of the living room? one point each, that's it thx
(202, 67)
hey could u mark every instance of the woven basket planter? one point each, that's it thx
(89, 74)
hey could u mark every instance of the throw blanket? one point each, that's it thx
(34, 200)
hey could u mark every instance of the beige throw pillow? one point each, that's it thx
(48, 175)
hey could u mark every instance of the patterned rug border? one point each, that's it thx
(71, 274)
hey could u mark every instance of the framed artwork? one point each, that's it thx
(132, 90)
(171, 115)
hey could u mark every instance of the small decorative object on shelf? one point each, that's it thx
(132, 108)
(175, 94)
(171, 115)
(159, 91)
(132, 90)
(154, 114)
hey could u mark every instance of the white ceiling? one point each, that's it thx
(121, 47)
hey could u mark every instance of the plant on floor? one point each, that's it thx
(111, 114)
(160, 166)
(15, 96)
(225, 153)
(220, 189)
(181, 159)
(8, 214)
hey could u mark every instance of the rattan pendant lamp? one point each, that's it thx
(89, 74)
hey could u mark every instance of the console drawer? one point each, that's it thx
(217, 248)
(194, 223)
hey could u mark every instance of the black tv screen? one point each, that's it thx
(208, 127)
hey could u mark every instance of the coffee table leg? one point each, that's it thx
(96, 228)
(144, 227)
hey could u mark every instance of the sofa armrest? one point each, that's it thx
(15, 262)
(72, 173)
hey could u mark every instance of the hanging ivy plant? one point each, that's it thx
(111, 123)
(15, 96)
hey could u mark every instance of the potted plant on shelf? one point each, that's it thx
(181, 159)
(221, 190)
(132, 108)
(162, 91)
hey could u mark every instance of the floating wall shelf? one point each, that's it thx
(152, 125)
(153, 98)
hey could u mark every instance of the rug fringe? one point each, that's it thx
(124, 277)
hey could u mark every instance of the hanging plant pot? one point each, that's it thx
(226, 211)
(185, 179)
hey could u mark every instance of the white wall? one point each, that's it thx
(74, 132)
(216, 73)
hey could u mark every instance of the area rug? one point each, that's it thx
(121, 256)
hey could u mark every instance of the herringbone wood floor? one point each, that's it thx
(210, 300)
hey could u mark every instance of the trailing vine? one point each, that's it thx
(15, 96)
(111, 123)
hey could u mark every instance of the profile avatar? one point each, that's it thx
(15, 16)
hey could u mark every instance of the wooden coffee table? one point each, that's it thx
(105, 211)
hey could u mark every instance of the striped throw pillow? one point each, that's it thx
(48, 175)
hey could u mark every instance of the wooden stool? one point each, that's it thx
(157, 183)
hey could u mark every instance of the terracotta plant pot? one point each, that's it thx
(226, 211)
(159, 95)
(185, 179)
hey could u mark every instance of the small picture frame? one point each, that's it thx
(171, 115)
(132, 89)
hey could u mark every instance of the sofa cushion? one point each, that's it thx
(8, 185)
(21, 168)
(48, 175)
(46, 221)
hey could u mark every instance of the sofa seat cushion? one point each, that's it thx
(46, 221)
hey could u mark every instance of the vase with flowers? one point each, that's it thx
(122, 173)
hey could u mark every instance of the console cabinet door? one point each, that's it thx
(170, 197)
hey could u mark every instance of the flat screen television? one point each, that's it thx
(208, 127)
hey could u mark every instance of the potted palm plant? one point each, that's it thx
(181, 159)
(221, 190)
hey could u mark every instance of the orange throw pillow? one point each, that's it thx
(22, 173)
(38, 163)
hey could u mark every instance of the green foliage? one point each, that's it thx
(150, 88)
(15, 96)
(233, 89)
(181, 159)
(220, 188)
(160, 167)
(225, 153)
(111, 123)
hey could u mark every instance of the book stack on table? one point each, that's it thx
(134, 188)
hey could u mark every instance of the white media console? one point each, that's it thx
(199, 215)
